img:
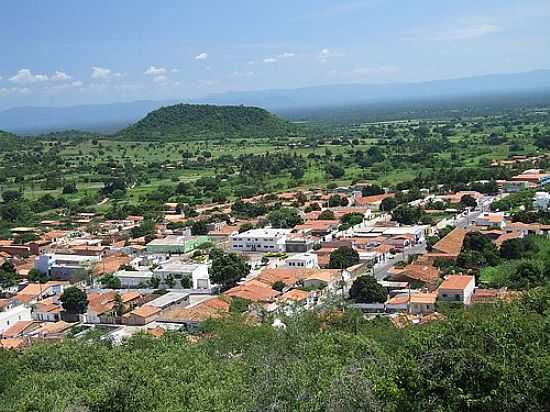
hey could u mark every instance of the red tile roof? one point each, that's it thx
(456, 282)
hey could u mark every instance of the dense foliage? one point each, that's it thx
(483, 359)
(188, 121)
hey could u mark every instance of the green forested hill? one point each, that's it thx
(189, 121)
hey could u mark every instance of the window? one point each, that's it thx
(457, 297)
(444, 295)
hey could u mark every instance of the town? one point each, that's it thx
(350, 246)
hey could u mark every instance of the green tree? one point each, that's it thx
(278, 285)
(171, 281)
(198, 227)
(154, 282)
(37, 277)
(12, 196)
(468, 201)
(406, 215)
(228, 269)
(74, 300)
(326, 215)
(110, 281)
(245, 227)
(285, 217)
(388, 204)
(335, 171)
(365, 289)
(343, 257)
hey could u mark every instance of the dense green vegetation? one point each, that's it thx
(65, 173)
(484, 359)
(192, 122)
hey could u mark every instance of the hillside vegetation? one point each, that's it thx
(189, 121)
(7, 140)
(492, 358)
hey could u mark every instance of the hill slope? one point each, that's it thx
(189, 121)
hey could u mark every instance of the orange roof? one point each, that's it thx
(18, 328)
(211, 308)
(12, 343)
(295, 295)
(34, 289)
(383, 248)
(368, 200)
(253, 293)
(399, 299)
(317, 225)
(506, 236)
(288, 276)
(456, 282)
(54, 234)
(55, 328)
(484, 295)
(325, 275)
(48, 305)
(423, 298)
(129, 296)
(452, 243)
(111, 264)
(145, 311)
(424, 273)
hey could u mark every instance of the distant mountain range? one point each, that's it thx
(111, 117)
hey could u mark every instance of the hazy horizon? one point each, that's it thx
(72, 53)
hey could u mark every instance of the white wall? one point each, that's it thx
(13, 315)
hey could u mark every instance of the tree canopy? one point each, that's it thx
(365, 289)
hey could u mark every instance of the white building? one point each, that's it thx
(304, 260)
(63, 266)
(12, 314)
(542, 200)
(260, 240)
(133, 279)
(457, 288)
(491, 220)
(196, 273)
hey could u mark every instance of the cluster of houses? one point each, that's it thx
(163, 283)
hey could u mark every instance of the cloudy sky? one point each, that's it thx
(67, 52)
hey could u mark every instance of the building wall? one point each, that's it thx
(260, 244)
(16, 314)
(418, 308)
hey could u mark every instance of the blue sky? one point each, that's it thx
(67, 52)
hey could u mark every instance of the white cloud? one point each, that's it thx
(270, 60)
(60, 77)
(324, 54)
(473, 32)
(251, 62)
(160, 79)
(155, 71)
(174, 70)
(102, 73)
(77, 83)
(25, 76)
(286, 55)
(202, 56)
